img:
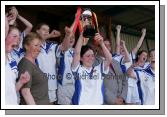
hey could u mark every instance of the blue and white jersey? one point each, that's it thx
(149, 85)
(19, 53)
(65, 75)
(89, 87)
(46, 61)
(119, 58)
(146, 65)
(11, 74)
(132, 57)
(141, 78)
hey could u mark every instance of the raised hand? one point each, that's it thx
(54, 34)
(98, 38)
(13, 11)
(68, 31)
(143, 31)
(118, 27)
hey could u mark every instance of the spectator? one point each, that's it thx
(36, 90)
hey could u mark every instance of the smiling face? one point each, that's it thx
(32, 44)
(88, 58)
(43, 31)
(33, 48)
(72, 40)
(12, 40)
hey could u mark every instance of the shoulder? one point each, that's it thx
(24, 63)
(51, 44)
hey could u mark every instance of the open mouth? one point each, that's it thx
(153, 61)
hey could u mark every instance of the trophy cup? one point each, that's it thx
(86, 20)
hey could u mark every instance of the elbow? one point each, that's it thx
(30, 26)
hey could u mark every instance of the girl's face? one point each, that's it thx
(122, 51)
(72, 40)
(142, 57)
(88, 58)
(152, 57)
(12, 40)
(33, 48)
(43, 31)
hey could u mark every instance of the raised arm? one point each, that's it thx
(118, 28)
(69, 34)
(65, 45)
(77, 50)
(6, 26)
(15, 14)
(134, 50)
(26, 23)
(54, 34)
(98, 38)
(126, 57)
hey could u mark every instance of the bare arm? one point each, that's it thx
(24, 78)
(53, 34)
(28, 96)
(98, 38)
(6, 26)
(69, 34)
(127, 57)
(134, 50)
(23, 20)
(66, 41)
(26, 23)
(77, 50)
(118, 28)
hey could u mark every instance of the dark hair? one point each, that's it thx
(139, 53)
(151, 51)
(38, 26)
(84, 49)
(30, 37)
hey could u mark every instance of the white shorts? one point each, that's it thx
(52, 95)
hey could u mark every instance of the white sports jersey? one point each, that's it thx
(65, 77)
(132, 94)
(132, 57)
(141, 78)
(46, 61)
(89, 87)
(11, 74)
(149, 86)
(119, 58)
(18, 53)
